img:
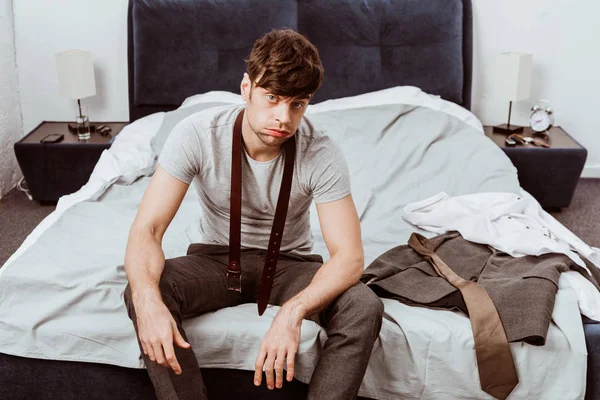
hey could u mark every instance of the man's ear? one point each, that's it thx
(245, 87)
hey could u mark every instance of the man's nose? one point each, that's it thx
(283, 113)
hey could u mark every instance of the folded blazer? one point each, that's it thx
(523, 289)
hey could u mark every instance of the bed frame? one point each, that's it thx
(177, 48)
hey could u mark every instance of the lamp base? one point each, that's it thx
(509, 129)
(73, 128)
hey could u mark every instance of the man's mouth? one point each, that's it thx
(277, 132)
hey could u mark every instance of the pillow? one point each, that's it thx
(172, 118)
(403, 95)
(214, 96)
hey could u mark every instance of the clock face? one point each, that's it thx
(540, 121)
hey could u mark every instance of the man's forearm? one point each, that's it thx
(144, 264)
(335, 276)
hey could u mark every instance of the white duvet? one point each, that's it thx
(61, 292)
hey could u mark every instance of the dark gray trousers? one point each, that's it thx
(196, 283)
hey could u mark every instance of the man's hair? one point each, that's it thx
(287, 63)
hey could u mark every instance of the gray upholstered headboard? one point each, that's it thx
(178, 48)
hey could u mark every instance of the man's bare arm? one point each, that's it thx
(144, 264)
(144, 257)
(341, 230)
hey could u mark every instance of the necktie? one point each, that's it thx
(495, 363)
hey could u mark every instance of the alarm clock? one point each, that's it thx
(542, 116)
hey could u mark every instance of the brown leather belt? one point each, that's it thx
(234, 269)
(497, 372)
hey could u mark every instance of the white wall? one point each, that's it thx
(10, 111)
(44, 28)
(561, 35)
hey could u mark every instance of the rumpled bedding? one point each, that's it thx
(61, 293)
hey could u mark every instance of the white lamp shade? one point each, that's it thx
(75, 70)
(513, 76)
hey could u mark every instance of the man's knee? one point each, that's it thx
(367, 302)
(362, 306)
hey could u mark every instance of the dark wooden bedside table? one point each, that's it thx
(52, 170)
(548, 174)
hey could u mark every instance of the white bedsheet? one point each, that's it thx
(420, 353)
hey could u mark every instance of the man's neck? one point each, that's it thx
(255, 148)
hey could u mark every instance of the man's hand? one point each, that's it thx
(280, 342)
(158, 331)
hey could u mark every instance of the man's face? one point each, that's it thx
(274, 119)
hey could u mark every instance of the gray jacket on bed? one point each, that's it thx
(523, 289)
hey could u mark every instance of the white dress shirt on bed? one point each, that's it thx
(514, 224)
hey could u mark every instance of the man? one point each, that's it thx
(284, 72)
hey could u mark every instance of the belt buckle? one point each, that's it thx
(234, 281)
(234, 277)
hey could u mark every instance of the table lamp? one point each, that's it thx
(76, 80)
(513, 82)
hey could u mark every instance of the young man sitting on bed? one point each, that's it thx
(284, 71)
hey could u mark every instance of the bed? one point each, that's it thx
(389, 66)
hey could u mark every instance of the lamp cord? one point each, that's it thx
(22, 189)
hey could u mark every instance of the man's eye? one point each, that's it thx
(298, 105)
(271, 97)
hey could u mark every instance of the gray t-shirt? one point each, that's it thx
(198, 150)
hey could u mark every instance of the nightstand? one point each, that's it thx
(55, 169)
(548, 174)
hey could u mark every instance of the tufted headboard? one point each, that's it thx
(177, 48)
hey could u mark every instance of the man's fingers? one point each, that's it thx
(158, 353)
(144, 350)
(170, 357)
(291, 356)
(150, 350)
(279, 369)
(269, 364)
(177, 338)
(258, 366)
